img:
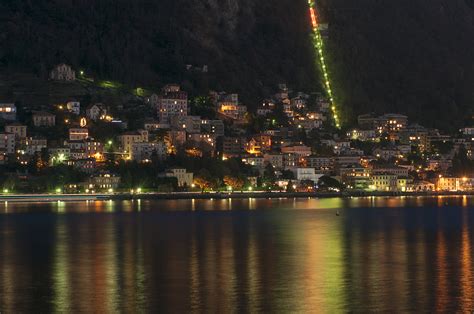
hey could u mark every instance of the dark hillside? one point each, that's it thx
(410, 56)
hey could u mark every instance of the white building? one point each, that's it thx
(276, 160)
(384, 182)
(190, 124)
(44, 119)
(77, 134)
(96, 111)
(306, 174)
(16, 128)
(35, 145)
(104, 181)
(8, 111)
(152, 125)
(173, 102)
(74, 107)
(266, 107)
(184, 178)
(298, 102)
(258, 162)
(7, 143)
(320, 162)
(308, 124)
(127, 139)
(145, 151)
(215, 127)
(467, 131)
(300, 150)
(63, 72)
(387, 153)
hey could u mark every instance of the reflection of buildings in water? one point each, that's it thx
(323, 264)
(130, 291)
(252, 204)
(253, 272)
(10, 282)
(222, 258)
(441, 272)
(392, 247)
(194, 270)
(60, 207)
(375, 261)
(383, 258)
(85, 261)
(466, 284)
(61, 292)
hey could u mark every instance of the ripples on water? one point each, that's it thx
(381, 254)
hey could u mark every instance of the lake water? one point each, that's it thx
(281, 255)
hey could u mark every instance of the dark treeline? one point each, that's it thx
(410, 56)
(248, 45)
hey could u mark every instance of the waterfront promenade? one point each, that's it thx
(209, 195)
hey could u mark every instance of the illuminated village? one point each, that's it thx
(290, 142)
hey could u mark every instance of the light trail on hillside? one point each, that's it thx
(318, 44)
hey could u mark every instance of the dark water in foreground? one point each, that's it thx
(381, 254)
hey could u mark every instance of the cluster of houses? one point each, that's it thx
(386, 167)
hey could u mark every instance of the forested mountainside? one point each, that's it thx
(409, 56)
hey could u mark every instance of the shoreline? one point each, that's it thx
(34, 198)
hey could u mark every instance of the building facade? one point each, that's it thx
(63, 72)
(44, 119)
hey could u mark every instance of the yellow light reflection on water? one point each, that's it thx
(467, 284)
(61, 291)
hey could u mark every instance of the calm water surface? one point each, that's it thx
(296, 255)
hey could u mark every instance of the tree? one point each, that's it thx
(328, 182)
(307, 184)
(290, 187)
(204, 107)
(462, 165)
(269, 176)
(287, 174)
(202, 183)
(235, 183)
(280, 117)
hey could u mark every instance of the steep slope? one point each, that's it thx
(411, 56)
(248, 45)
